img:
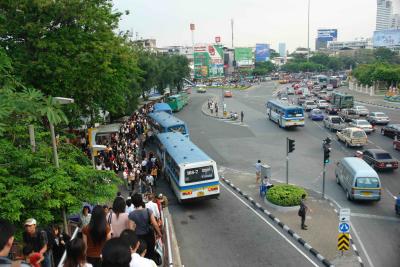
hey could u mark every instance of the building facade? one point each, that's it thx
(384, 15)
(357, 44)
(282, 49)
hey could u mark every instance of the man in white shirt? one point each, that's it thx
(130, 238)
(152, 205)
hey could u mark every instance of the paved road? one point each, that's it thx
(239, 147)
(227, 232)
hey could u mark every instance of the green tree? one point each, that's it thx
(263, 68)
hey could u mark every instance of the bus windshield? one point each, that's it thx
(294, 112)
(199, 174)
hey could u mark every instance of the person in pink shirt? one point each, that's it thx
(118, 218)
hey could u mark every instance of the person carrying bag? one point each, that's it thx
(145, 225)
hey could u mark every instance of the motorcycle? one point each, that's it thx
(233, 116)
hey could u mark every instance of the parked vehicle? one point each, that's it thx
(361, 110)
(391, 130)
(352, 137)
(378, 118)
(334, 123)
(309, 105)
(379, 159)
(322, 104)
(331, 110)
(362, 124)
(348, 114)
(316, 115)
(358, 179)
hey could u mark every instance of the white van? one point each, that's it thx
(359, 180)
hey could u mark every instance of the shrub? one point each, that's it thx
(285, 195)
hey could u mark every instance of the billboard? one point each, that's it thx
(208, 61)
(262, 52)
(386, 38)
(327, 35)
(244, 56)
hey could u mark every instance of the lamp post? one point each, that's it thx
(61, 101)
(97, 148)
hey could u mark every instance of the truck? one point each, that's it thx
(348, 114)
(342, 100)
(334, 123)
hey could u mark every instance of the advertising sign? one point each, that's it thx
(262, 52)
(387, 38)
(208, 61)
(327, 35)
(244, 56)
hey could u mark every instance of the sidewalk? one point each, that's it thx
(372, 100)
(323, 221)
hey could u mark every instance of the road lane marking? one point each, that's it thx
(372, 216)
(273, 227)
(390, 193)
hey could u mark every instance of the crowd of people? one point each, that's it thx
(125, 234)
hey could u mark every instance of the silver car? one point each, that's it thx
(362, 124)
(361, 110)
(378, 118)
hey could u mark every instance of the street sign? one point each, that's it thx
(343, 242)
(344, 215)
(344, 227)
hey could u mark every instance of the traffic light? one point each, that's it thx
(327, 151)
(290, 145)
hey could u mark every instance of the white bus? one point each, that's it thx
(285, 114)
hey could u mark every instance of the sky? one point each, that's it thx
(255, 21)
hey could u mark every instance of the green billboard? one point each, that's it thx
(208, 61)
(244, 56)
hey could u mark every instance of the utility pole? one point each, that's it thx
(308, 32)
(327, 150)
(232, 31)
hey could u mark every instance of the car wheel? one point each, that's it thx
(337, 180)
(394, 146)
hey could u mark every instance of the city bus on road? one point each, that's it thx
(177, 102)
(285, 114)
(190, 172)
(162, 122)
(342, 100)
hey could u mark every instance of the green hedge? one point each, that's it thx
(285, 195)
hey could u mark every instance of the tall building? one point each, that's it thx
(282, 49)
(384, 15)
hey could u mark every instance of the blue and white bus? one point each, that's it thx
(285, 114)
(162, 122)
(162, 107)
(190, 172)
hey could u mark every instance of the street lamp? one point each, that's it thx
(97, 148)
(61, 101)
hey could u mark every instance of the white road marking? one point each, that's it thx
(273, 227)
(390, 193)
(372, 216)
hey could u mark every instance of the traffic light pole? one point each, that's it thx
(323, 181)
(287, 160)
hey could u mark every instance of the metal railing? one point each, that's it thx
(64, 256)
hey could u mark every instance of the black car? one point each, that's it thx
(332, 110)
(391, 130)
(379, 159)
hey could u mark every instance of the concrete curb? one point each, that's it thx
(280, 208)
(375, 104)
(174, 244)
(297, 237)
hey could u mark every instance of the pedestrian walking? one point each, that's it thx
(216, 109)
(303, 211)
(241, 116)
(258, 171)
(212, 107)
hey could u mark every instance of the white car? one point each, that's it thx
(329, 87)
(309, 105)
(361, 110)
(322, 104)
(362, 124)
(378, 118)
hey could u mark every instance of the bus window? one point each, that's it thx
(294, 113)
(177, 128)
(199, 174)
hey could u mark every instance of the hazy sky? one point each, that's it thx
(255, 21)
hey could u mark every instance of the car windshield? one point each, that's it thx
(310, 103)
(380, 115)
(360, 107)
(367, 182)
(317, 111)
(363, 123)
(358, 134)
(351, 112)
(322, 101)
(383, 156)
(336, 120)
